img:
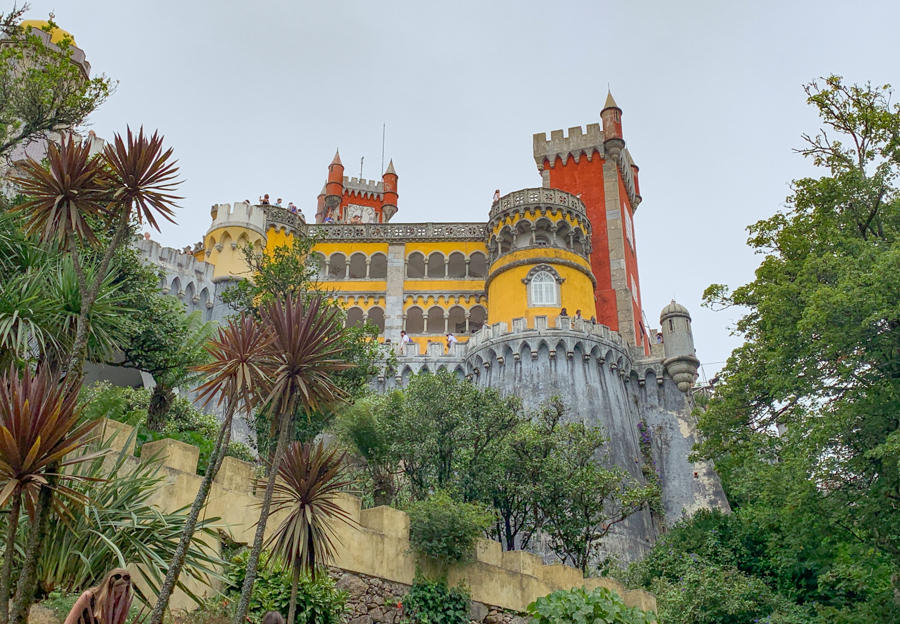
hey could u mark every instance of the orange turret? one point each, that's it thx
(611, 115)
(334, 187)
(389, 183)
(357, 201)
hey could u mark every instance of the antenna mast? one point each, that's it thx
(383, 130)
(360, 168)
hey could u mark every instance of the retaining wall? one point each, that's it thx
(376, 546)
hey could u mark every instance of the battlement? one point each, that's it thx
(580, 142)
(173, 260)
(376, 543)
(364, 187)
(526, 199)
(241, 214)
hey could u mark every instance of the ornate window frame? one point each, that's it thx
(532, 273)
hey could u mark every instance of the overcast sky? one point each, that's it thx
(256, 96)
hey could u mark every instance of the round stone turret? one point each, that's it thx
(681, 359)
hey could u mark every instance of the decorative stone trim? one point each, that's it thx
(543, 267)
(526, 261)
(537, 196)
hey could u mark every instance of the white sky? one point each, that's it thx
(256, 96)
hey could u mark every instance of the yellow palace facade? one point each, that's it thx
(530, 259)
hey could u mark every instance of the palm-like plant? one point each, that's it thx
(236, 377)
(39, 427)
(302, 358)
(115, 524)
(133, 177)
(311, 478)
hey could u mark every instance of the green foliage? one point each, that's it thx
(185, 422)
(434, 602)
(292, 271)
(539, 472)
(600, 606)
(318, 602)
(803, 426)
(113, 524)
(444, 530)
(43, 90)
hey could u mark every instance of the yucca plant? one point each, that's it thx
(310, 479)
(39, 427)
(114, 523)
(236, 378)
(301, 360)
(134, 177)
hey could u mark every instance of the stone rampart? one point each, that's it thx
(376, 546)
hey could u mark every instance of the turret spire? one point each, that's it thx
(337, 158)
(610, 101)
(390, 168)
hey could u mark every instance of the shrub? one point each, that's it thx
(600, 606)
(434, 602)
(318, 602)
(444, 530)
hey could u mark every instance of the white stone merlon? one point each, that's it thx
(241, 214)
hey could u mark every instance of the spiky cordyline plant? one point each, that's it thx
(301, 360)
(38, 428)
(310, 479)
(133, 177)
(236, 377)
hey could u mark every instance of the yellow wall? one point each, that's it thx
(230, 261)
(508, 295)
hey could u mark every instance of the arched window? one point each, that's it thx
(543, 283)
(543, 290)
(378, 267)
(415, 267)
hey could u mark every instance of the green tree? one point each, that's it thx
(41, 88)
(810, 402)
(292, 271)
(168, 344)
(448, 433)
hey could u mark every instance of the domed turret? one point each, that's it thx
(681, 359)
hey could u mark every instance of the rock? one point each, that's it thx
(477, 611)
(353, 585)
(361, 620)
(377, 614)
(518, 619)
(378, 600)
(42, 615)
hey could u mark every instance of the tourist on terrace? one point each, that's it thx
(578, 316)
(564, 312)
(264, 200)
(356, 220)
(278, 203)
(659, 338)
(292, 207)
(404, 337)
(451, 340)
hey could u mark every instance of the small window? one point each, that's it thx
(671, 325)
(543, 290)
(541, 241)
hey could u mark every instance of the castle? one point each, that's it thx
(500, 288)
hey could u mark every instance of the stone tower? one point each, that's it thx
(594, 165)
(681, 359)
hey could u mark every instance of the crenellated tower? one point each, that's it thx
(594, 165)
(233, 227)
(353, 200)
